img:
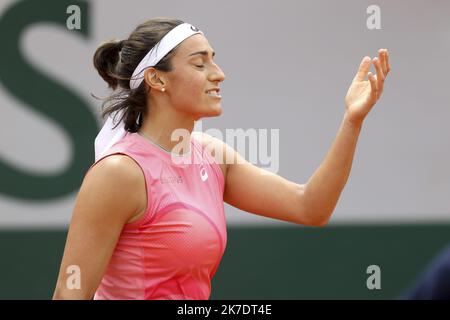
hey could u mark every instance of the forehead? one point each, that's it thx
(197, 42)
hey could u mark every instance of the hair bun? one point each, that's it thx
(105, 61)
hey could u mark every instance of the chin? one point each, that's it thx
(213, 112)
(217, 112)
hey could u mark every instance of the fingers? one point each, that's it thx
(373, 88)
(383, 55)
(382, 58)
(388, 66)
(363, 69)
(380, 76)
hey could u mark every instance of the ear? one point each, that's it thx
(154, 79)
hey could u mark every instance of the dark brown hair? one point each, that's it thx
(115, 62)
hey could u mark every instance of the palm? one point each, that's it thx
(357, 99)
(363, 94)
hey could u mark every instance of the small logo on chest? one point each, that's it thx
(174, 179)
(203, 174)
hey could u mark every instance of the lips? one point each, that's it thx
(213, 92)
(217, 89)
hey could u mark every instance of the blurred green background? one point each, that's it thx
(261, 263)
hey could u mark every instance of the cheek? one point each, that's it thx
(190, 88)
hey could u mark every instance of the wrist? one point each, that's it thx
(352, 121)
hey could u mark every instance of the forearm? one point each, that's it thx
(323, 189)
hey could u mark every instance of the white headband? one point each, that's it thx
(107, 135)
(173, 38)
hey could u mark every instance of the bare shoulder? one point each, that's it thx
(116, 168)
(115, 182)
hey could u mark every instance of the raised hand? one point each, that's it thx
(363, 94)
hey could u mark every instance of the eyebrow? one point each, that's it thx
(203, 53)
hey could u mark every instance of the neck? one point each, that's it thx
(158, 126)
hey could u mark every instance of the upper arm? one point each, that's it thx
(261, 192)
(257, 190)
(106, 201)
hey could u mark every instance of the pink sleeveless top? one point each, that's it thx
(173, 251)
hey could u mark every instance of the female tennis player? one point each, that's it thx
(147, 224)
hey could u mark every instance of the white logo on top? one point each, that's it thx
(203, 174)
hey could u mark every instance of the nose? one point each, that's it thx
(217, 74)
